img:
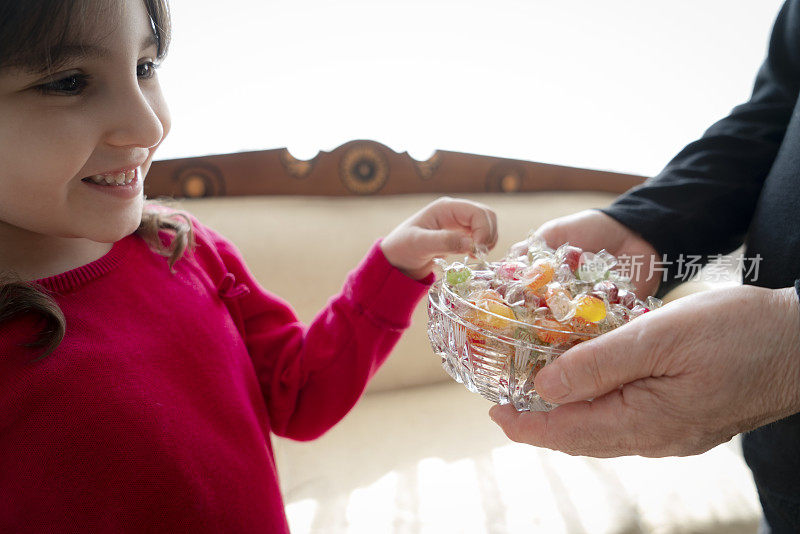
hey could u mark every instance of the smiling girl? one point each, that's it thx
(142, 367)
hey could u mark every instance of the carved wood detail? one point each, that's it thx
(296, 168)
(363, 169)
(368, 168)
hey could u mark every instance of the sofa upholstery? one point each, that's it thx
(419, 452)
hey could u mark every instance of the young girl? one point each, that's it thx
(142, 367)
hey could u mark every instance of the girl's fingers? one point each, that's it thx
(474, 217)
(442, 242)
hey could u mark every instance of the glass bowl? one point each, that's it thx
(500, 362)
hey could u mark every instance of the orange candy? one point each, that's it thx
(497, 320)
(584, 328)
(488, 294)
(491, 320)
(539, 275)
(549, 335)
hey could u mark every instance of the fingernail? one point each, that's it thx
(553, 384)
(466, 243)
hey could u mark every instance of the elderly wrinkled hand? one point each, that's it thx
(676, 381)
(593, 230)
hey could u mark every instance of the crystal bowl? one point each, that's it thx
(499, 363)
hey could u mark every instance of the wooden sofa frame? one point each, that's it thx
(366, 167)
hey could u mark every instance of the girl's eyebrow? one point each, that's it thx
(70, 52)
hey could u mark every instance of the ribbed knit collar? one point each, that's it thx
(75, 278)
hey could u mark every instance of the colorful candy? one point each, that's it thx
(497, 318)
(591, 308)
(572, 257)
(458, 274)
(551, 297)
(538, 275)
(551, 332)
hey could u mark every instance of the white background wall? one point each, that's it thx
(605, 84)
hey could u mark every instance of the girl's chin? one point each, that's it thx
(117, 228)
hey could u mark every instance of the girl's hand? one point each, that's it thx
(593, 230)
(676, 381)
(445, 226)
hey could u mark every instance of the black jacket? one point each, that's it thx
(740, 182)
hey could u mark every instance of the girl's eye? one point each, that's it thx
(75, 84)
(146, 70)
(69, 86)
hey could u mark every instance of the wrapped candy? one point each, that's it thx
(590, 308)
(558, 301)
(496, 324)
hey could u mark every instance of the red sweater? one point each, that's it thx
(154, 413)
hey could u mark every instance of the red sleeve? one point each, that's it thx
(312, 375)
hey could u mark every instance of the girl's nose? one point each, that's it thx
(135, 118)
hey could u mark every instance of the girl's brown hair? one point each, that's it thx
(32, 35)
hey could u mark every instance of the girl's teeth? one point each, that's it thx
(120, 178)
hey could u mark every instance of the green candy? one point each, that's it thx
(458, 276)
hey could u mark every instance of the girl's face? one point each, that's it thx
(100, 114)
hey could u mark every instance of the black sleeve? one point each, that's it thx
(704, 199)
